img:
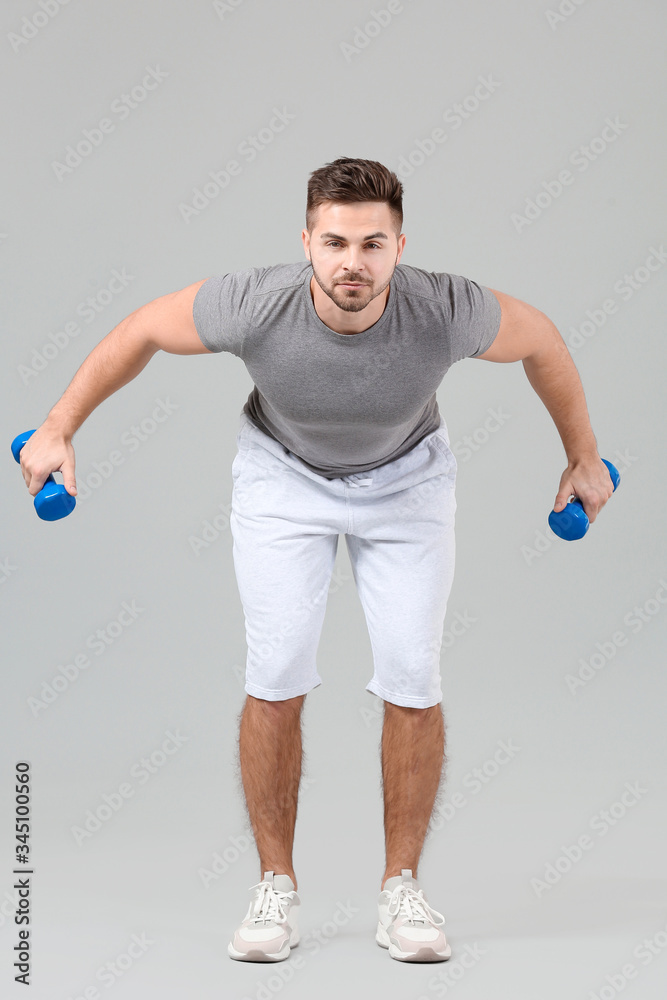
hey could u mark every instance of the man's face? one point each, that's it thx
(353, 249)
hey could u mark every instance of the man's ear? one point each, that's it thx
(401, 246)
(305, 237)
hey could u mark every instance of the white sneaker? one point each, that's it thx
(407, 925)
(269, 929)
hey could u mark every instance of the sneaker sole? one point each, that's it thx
(425, 954)
(257, 955)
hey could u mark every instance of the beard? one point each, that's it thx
(351, 299)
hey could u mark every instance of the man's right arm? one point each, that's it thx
(165, 324)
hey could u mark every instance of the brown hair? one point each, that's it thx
(350, 180)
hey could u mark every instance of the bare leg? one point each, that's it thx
(270, 759)
(413, 758)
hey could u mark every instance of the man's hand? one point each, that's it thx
(47, 450)
(589, 480)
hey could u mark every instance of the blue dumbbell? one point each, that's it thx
(572, 521)
(53, 501)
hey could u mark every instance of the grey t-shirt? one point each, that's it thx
(345, 403)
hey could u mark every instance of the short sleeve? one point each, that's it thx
(473, 315)
(222, 308)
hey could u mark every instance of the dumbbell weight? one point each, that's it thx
(53, 501)
(571, 522)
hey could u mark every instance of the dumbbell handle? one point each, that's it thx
(53, 501)
(571, 523)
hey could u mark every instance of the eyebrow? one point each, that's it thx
(373, 236)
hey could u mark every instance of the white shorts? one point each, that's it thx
(398, 522)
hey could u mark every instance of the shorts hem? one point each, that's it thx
(404, 700)
(282, 693)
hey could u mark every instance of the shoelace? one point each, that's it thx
(410, 903)
(269, 904)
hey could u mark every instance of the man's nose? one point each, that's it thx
(353, 261)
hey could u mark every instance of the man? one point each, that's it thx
(341, 434)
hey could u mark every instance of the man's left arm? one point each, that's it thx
(527, 335)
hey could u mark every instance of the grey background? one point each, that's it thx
(539, 605)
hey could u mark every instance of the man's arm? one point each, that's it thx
(527, 335)
(164, 324)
